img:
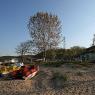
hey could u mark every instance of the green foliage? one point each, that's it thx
(52, 64)
(61, 54)
(85, 64)
(76, 64)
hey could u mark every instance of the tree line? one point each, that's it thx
(45, 30)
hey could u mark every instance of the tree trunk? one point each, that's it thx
(44, 55)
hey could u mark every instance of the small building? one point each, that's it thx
(87, 55)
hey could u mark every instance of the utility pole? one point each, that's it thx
(93, 41)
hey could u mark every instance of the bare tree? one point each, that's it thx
(23, 49)
(45, 31)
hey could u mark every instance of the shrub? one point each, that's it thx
(79, 74)
(59, 76)
(85, 64)
(53, 64)
(58, 80)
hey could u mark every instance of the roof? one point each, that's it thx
(90, 49)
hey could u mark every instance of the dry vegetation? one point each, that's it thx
(64, 80)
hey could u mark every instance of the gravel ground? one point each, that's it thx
(20, 87)
(41, 85)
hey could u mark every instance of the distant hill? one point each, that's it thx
(3, 58)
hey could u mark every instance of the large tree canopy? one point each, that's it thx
(45, 31)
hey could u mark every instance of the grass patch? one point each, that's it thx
(86, 64)
(52, 64)
(78, 64)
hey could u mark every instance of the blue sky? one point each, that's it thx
(77, 17)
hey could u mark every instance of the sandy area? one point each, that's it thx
(80, 81)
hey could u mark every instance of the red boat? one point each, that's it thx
(25, 72)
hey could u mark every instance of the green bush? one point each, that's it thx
(52, 64)
(83, 64)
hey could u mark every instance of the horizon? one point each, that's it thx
(77, 19)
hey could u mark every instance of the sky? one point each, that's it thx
(77, 19)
